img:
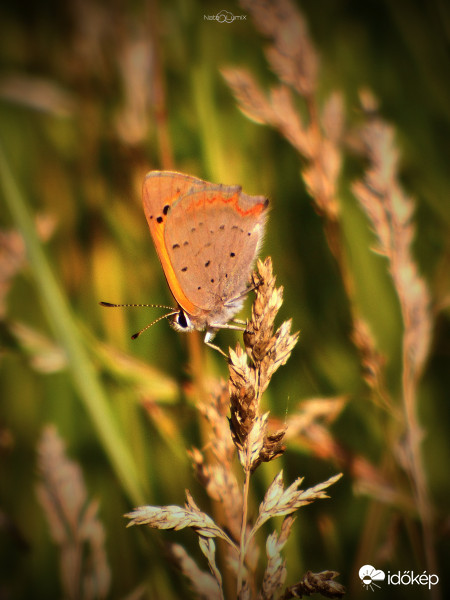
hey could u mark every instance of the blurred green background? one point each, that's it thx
(92, 96)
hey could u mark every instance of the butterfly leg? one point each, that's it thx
(237, 327)
(214, 347)
(209, 335)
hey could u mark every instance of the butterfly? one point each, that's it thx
(207, 237)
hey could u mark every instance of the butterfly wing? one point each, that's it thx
(212, 236)
(161, 189)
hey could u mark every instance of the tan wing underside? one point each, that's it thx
(212, 238)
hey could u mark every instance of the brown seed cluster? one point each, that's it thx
(267, 350)
(316, 583)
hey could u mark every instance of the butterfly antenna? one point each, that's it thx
(136, 335)
(109, 305)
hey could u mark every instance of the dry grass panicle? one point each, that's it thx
(73, 522)
(390, 211)
(203, 584)
(292, 56)
(244, 431)
(267, 350)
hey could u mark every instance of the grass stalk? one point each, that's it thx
(62, 321)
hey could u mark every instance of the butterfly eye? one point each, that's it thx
(182, 320)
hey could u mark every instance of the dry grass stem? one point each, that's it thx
(390, 212)
(203, 584)
(136, 69)
(372, 362)
(12, 259)
(13, 255)
(73, 522)
(37, 93)
(44, 354)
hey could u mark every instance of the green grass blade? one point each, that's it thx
(61, 319)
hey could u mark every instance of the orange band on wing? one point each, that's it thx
(172, 280)
(256, 209)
